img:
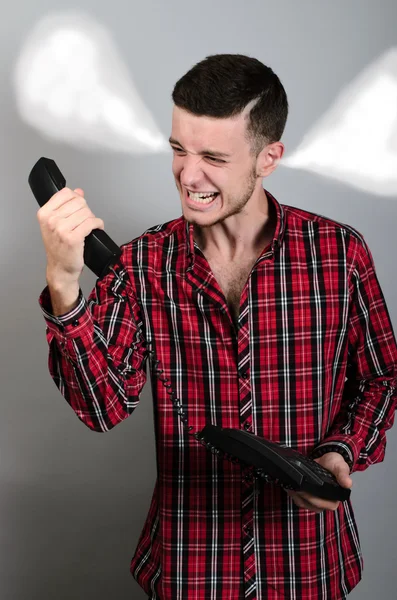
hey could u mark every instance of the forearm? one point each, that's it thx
(369, 397)
(100, 389)
(359, 430)
(100, 374)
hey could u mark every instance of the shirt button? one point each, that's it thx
(75, 323)
(243, 374)
(247, 425)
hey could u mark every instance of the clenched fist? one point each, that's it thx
(65, 221)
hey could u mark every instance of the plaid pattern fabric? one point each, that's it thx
(311, 363)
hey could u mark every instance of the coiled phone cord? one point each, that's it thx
(255, 472)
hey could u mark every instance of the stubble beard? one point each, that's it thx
(237, 205)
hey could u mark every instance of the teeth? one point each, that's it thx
(204, 198)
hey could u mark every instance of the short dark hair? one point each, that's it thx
(222, 85)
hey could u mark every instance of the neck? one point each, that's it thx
(246, 233)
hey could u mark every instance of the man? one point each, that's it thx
(255, 315)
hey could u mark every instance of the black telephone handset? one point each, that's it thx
(100, 251)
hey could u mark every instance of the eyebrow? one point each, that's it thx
(210, 152)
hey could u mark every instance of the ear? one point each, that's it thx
(269, 159)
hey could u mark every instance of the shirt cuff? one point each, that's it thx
(67, 328)
(335, 446)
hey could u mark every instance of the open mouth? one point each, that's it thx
(201, 200)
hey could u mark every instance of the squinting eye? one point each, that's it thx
(215, 159)
(218, 160)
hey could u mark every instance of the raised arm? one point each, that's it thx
(96, 348)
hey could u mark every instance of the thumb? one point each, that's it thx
(342, 475)
(79, 191)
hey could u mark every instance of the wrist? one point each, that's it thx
(61, 281)
(64, 294)
(329, 447)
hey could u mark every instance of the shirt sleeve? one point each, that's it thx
(97, 355)
(369, 397)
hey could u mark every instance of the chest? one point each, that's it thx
(232, 278)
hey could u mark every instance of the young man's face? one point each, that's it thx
(196, 170)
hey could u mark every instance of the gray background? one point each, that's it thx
(73, 502)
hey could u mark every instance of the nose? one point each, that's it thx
(191, 172)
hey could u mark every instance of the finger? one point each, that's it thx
(84, 228)
(311, 502)
(343, 477)
(338, 467)
(68, 221)
(79, 191)
(75, 204)
(341, 471)
(58, 199)
(315, 509)
(321, 503)
(302, 503)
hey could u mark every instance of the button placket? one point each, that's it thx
(247, 480)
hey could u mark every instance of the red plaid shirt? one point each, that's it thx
(311, 364)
